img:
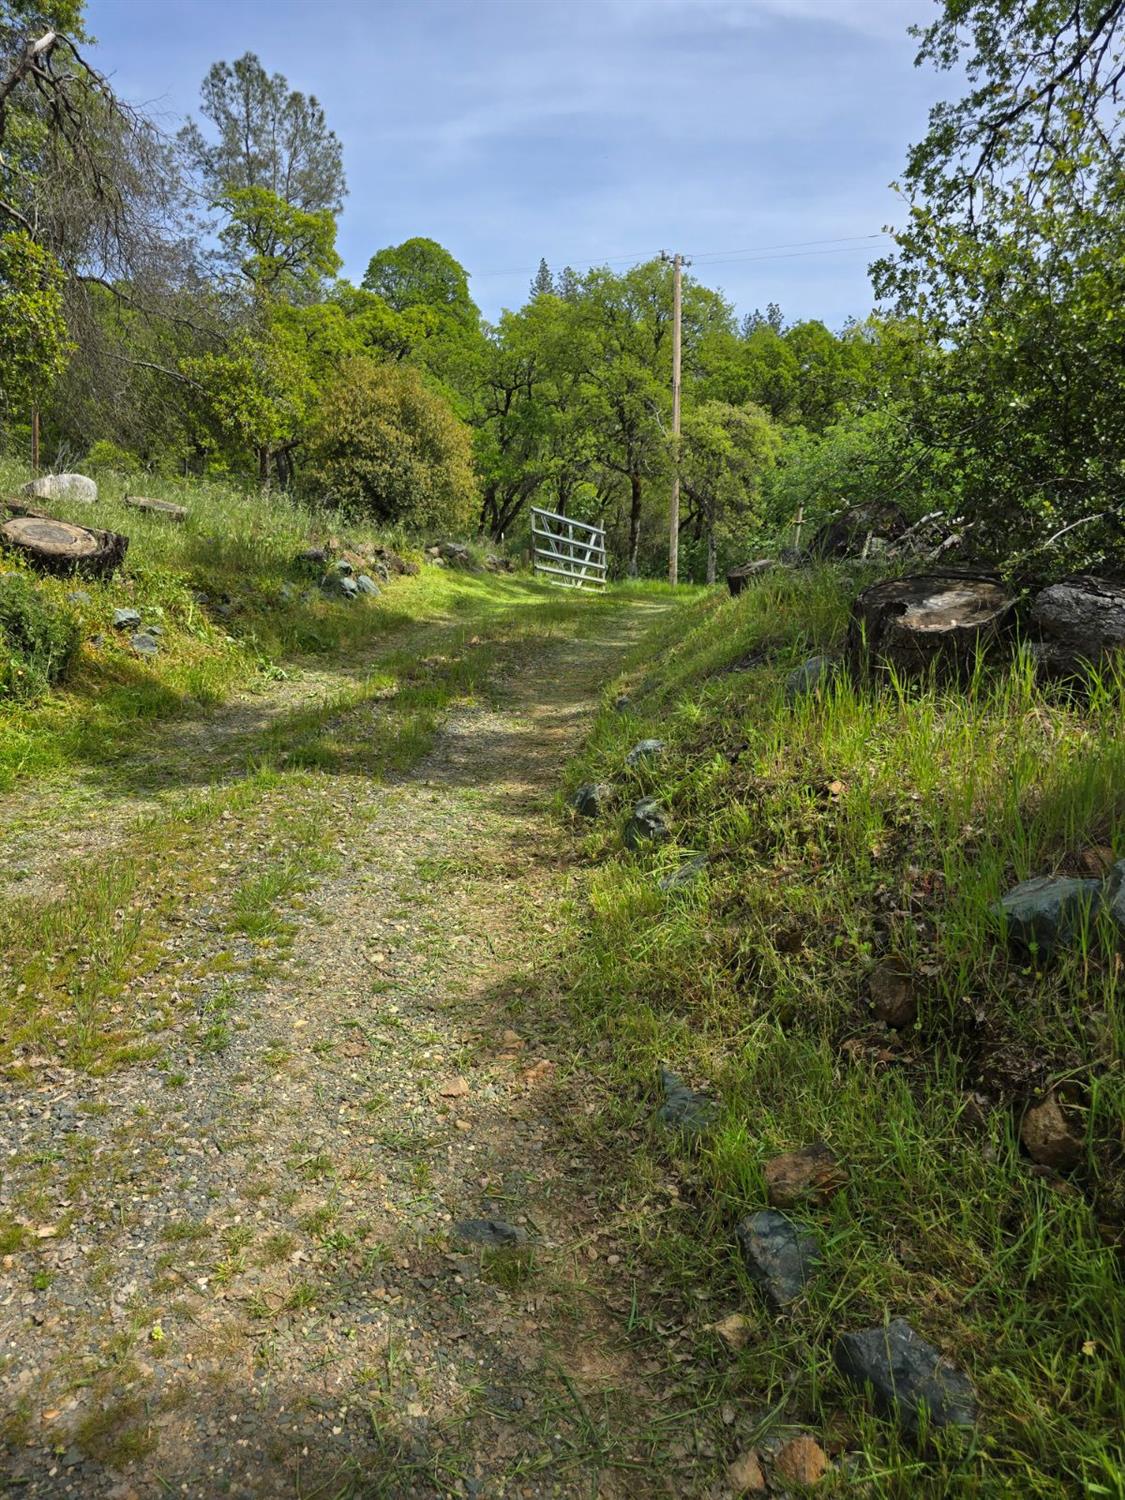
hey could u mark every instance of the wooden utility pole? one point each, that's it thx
(678, 264)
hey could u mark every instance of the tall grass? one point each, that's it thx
(843, 829)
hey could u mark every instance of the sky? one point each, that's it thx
(758, 137)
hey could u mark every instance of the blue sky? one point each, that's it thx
(739, 131)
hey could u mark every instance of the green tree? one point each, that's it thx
(420, 273)
(726, 451)
(543, 284)
(33, 334)
(384, 443)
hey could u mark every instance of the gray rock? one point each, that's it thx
(145, 644)
(62, 487)
(313, 557)
(1115, 893)
(686, 874)
(97, 641)
(78, 596)
(906, 1373)
(644, 750)
(1043, 913)
(126, 619)
(592, 798)
(340, 583)
(489, 1232)
(647, 824)
(684, 1109)
(343, 567)
(368, 586)
(809, 679)
(780, 1259)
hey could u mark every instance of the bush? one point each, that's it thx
(105, 456)
(385, 445)
(37, 639)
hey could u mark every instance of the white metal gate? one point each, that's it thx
(567, 552)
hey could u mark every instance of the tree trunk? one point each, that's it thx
(634, 524)
(942, 619)
(62, 549)
(264, 466)
(1080, 621)
(711, 548)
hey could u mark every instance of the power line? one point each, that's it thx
(763, 252)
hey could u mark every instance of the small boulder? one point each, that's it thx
(62, 487)
(342, 584)
(801, 1461)
(1040, 915)
(491, 1233)
(1048, 1138)
(343, 567)
(905, 1374)
(684, 1109)
(811, 1175)
(592, 798)
(145, 643)
(780, 1259)
(686, 874)
(892, 993)
(744, 1475)
(368, 586)
(809, 679)
(644, 750)
(647, 824)
(126, 619)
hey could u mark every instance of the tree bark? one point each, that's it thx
(635, 494)
(711, 548)
(59, 548)
(941, 619)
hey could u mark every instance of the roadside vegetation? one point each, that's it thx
(840, 832)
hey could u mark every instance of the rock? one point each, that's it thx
(623, 703)
(1095, 863)
(1048, 1138)
(780, 1259)
(492, 1233)
(1081, 620)
(313, 557)
(848, 535)
(809, 679)
(165, 508)
(686, 874)
(78, 596)
(734, 1330)
(738, 578)
(892, 993)
(343, 567)
(454, 1088)
(906, 1373)
(647, 824)
(62, 487)
(368, 586)
(801, 1461)
(1115, 894)
(126, 619)
(1041, 914)
(684, 1109)
(644, 750)
(145, 644)
(744, 1475)
(592, 798)
(811, 1175)
(341, 583)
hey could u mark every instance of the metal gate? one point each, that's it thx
(567, 552)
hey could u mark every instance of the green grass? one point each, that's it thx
(753, 981)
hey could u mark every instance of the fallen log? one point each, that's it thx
(157, 507)
(851, 534)
(1079, 622)
(941, 618)
(738, 578)
(60, 548)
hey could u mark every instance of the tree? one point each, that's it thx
(542, 283)
(266, 136)
(422, 273)
(1012, 263)
(385, 444)
(33, 336)
(279, 250)
(725, 453)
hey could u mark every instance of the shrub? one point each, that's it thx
(106, 456)
(37, 639)
(386, 445)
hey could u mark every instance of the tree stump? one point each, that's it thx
(847, 535)
(60, 548)
(940, 618)
(157, 507)
(1079, 621)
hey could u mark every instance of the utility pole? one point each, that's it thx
(678, 263)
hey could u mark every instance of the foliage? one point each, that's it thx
(33, 335)
(864, 457)
(420, 273)
(277, 248)
(105, 456)
(727, 452)
(38, 639)
(385, 445)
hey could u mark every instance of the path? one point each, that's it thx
(244, 1277)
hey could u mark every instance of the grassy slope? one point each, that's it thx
(753, 982)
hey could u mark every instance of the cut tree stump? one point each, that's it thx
(58, 547)
(157, 507)
(940, 618)
(1079, 621)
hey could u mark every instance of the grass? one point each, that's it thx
(841, 831)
